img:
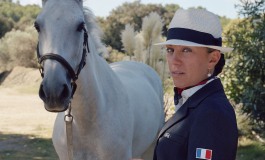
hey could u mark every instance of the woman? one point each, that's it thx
(204, 125)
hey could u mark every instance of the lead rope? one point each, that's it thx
(68, 118)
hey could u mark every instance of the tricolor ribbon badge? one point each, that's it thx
(202, 153)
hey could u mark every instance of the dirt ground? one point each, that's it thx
(24, 114)
(25, 127)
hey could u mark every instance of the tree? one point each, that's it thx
(131, 13)
(5, 25)
(13, 15)
(10, 1)
(18, 48)
(244, 78)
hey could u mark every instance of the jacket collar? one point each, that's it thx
(192, 102)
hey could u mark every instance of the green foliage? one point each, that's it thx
(141, 45)
(131, 13)
(17, 48)
(170, 10)
(26, 147)
(244, 123)
(114, 55)
(13, 15)
(225, 21)
(6, 24)
(244, 78)
(18, 38)
(6, 1)
(250, 150)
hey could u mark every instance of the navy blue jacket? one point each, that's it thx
(206, 120)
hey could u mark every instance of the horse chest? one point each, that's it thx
(96, 141)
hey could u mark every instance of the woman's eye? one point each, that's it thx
(185, 50)
(37, 27)
(170, 50)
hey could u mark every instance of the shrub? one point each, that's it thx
(18, 48)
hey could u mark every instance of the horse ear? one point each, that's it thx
(43, 2)
(80, 1)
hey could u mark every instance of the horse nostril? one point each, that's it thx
(42, 93)
(65, 92)
(54, 95)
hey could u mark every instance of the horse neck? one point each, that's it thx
(96, 80)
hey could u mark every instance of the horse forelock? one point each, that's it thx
(94, 30)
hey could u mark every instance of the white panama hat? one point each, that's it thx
(195, 27)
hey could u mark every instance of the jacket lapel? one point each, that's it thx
(178, 116)
(192, 102)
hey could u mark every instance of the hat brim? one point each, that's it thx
(188, 43)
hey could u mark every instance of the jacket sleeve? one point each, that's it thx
(213, 135)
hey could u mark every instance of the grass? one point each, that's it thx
(36, 125)
(29, 147)
(26, 147)
(250, 150)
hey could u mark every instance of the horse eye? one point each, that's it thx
(37, 27)
(81, 27)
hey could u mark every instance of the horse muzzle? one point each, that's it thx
(56, 99)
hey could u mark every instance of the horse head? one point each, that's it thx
(61, 50)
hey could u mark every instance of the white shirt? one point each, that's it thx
(187, 93)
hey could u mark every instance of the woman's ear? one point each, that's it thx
(214, 58)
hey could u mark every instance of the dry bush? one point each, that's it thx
(114, 55)
(128, 39)
(243, 121)
(18, 48)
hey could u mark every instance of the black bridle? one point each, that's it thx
(71, 71)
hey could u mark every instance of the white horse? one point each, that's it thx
(117, 109)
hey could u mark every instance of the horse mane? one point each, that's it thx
(94, 31)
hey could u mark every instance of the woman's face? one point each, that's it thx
(190, 65)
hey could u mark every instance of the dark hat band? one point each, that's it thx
(193, 36)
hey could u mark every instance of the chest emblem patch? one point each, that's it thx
(167, 135)
(202, 153)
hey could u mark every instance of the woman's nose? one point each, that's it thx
(176, 59)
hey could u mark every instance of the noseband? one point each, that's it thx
(60, 59)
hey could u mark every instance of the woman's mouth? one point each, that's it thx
(177, 73)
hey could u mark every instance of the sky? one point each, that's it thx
(103, 8)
